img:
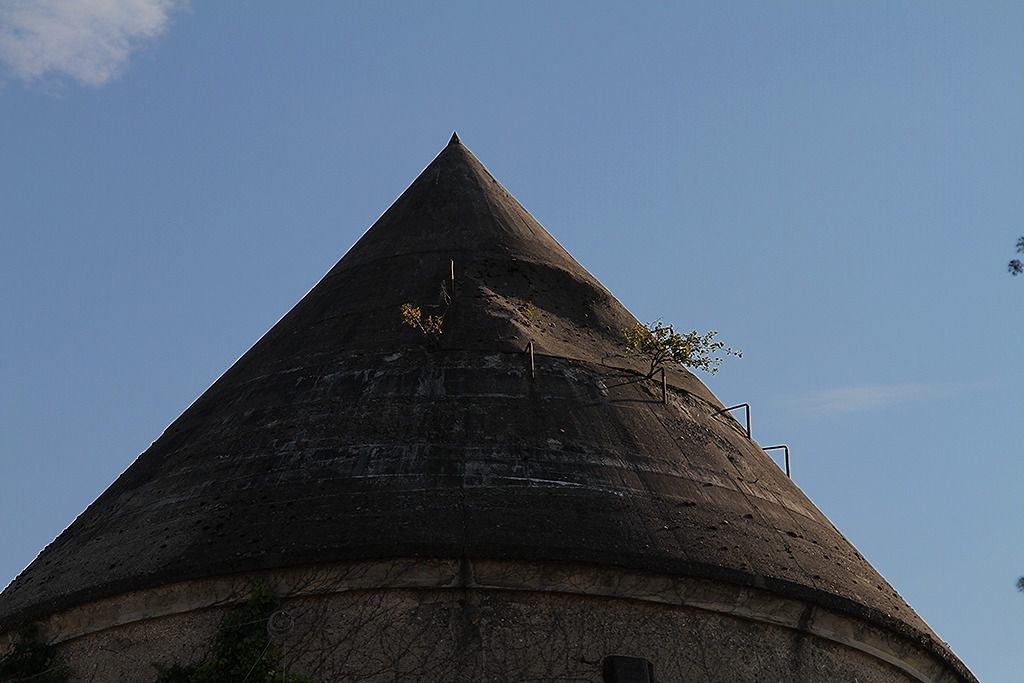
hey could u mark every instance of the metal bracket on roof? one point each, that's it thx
(739, 405)
(453, 277)
(664, 387)
(533, 365)
(786, 449)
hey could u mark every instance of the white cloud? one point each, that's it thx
(874, 397)
(88, 40)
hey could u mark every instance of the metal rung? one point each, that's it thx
(786, 449)
(740, 405)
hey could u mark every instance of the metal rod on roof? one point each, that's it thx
(533, 365)
(739, 405)
(786, 449)
(453, 278)
(664, 387)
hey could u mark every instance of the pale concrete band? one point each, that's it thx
(189, 610)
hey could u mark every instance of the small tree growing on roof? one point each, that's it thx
(432, 326)
(660, 344)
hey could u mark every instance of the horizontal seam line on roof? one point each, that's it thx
(363, 311)
(624, 369)
(460, 250)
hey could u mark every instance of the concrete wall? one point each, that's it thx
(491, 621)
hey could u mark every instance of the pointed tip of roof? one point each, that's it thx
(455, 139)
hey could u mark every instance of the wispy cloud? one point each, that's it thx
(88, 40)
(857, 399)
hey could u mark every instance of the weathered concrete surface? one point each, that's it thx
(343, 436)
(457, 621)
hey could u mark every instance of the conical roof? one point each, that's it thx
(345, 435)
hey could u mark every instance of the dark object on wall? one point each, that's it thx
(622, 669)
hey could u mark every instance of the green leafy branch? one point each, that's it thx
(1015, 266)
(660, 345)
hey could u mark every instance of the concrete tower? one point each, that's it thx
(453, 507)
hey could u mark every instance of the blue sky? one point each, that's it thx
(835, 187)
